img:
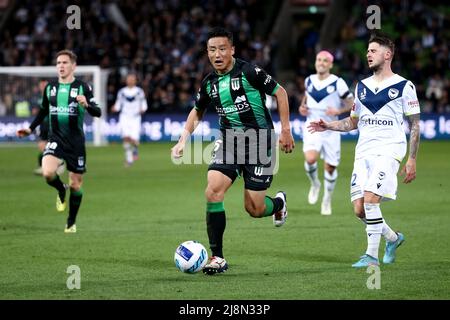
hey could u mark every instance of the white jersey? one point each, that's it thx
(380, 109)
(321, 94)
(131, 102)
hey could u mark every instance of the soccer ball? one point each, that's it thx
(190, 256)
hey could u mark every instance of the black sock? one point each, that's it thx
(278, 204)
(215, 223)
(58, 185)
(40, 156)
(74, 205)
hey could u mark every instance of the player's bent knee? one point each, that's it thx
(213, 195)
(254, 211)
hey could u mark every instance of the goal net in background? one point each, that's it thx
(20, 94)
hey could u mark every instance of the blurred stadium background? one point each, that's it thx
(164, 43)
(132, 219)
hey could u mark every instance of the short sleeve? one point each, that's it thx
(260, 79)
(410, 102)
(202, 98)
(342, 89)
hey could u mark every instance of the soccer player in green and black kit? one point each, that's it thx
(236, 90)
(65, 102)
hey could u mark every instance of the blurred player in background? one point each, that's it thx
(236, 90)
(131, 103)
(326, 97)
(381, 102)
(43, 133)
(65, 102)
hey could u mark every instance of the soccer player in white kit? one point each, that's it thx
(326, 97)
(131, 103)
(381, 102)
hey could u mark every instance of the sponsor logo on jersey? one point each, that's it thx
(413, 104)
(71, 109)
(377, 122)
(240, 105)
(393, 93)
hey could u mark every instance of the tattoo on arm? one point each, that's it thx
(414, 136)
(343, 125)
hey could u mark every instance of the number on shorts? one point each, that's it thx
(353, 179)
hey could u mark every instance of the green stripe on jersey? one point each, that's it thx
(62, 101)
(227, 102)
(256, 101)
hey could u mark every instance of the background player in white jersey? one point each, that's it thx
(380, 104)
(326, 97)
(131, 103)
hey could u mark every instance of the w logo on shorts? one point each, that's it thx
(258, 171)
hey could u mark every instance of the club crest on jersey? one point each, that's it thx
(235, 85)
(73, 92)
(330, 89)
(53, 92)
(310, 87)
(393, 93)
(381, 175)
(363, 94)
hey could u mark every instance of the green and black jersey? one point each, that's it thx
(65, 114)
(238, 96)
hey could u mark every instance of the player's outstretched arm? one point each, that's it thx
(286, 140)
(23, 132)
(344, 125)
(193, 120)
(409, 170)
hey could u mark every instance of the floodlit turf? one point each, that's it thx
(132, 219)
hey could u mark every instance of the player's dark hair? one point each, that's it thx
(383, 40)
(67, 52)
(220, 32)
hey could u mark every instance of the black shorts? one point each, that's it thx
(238, 155)
(75, 158)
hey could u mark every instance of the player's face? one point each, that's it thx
(220, 54)
(131, 80)
(323, 64)
(64, 66)
(376, 56)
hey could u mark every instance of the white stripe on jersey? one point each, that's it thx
(131, 102)
(380, 108)
(321, 94)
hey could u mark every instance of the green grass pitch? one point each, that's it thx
(132, 219)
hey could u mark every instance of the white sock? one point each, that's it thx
(388, 233)
(329, 183)
(374, 228)
(311, 172)
(128, 152)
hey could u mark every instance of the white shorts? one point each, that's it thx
(130, 127)
(327, 143)
(377, 174)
